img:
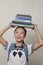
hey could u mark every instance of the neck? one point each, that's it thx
(19, 43)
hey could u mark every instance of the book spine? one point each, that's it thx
(23, 18)
(22, 23)
(24, 15)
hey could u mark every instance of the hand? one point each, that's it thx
(11, 26)
(34, 26)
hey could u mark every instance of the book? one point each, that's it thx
(21, 23)
(22, 20)
(26, 18)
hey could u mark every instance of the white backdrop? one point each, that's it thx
(8, 10)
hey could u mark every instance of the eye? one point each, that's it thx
(16, 32)
(22, 33)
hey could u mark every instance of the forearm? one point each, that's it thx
(4, 30)
(40, 40)
(3, 41)
(38, 35)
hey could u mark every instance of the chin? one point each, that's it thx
(19, 40)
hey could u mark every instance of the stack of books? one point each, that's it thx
(22, 20)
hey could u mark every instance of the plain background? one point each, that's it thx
(8, 11)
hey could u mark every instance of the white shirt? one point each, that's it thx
(17, 57)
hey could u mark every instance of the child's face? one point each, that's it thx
(19, 34)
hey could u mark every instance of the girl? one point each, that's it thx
(17, 55)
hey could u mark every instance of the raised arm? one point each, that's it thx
(40, 40)
(4, 30)
(2, 40)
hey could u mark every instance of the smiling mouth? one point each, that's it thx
(18, 37)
